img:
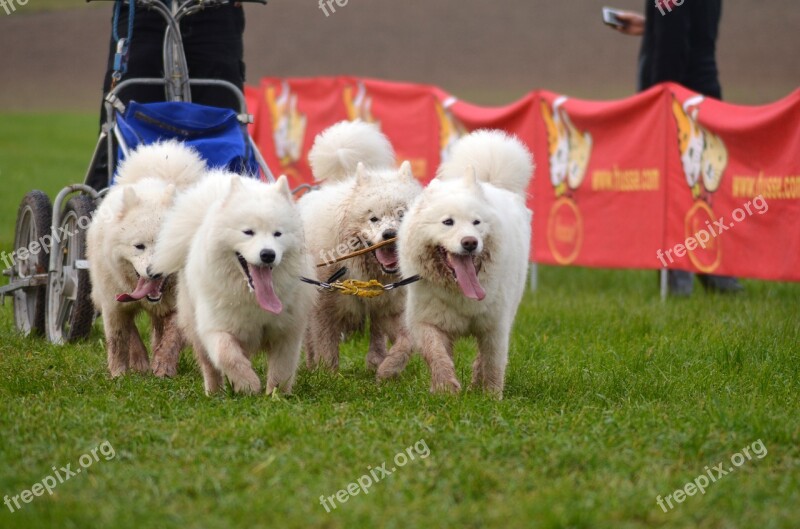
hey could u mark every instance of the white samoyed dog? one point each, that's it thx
(120, 244)
(239, 249)
(361, 202)
(468, 237)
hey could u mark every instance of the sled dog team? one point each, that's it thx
(215, 260)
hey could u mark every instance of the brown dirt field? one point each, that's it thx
(485, 51)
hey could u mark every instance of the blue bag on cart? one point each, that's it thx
(216, 133)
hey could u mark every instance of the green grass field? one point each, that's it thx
(612, 399)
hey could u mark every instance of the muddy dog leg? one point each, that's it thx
(156, 331)
(212, 377)
(308, 346)
(139, 361)
(377, 342)
(437, 350)
(324, 331)
(400, 352)
(489, 369)
(167, 350)
(232, 360)
(117, 326)
(283, 357)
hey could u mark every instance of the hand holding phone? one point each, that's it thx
(611, 17)
(624, 21)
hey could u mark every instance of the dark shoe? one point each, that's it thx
(680, 283)
(721, 284)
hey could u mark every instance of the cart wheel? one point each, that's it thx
(33, 222)
(70, 312)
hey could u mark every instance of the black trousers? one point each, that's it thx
(213, 42)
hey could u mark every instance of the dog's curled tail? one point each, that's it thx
(338, 150)
(498, 158)
(171, 161)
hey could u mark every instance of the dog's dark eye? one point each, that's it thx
(374, 219)
(277, 234)
(448, 222)
(249, 233)
(475, 223)
(401, 213)
(139, 246)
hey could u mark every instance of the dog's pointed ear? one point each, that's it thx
(129, 201)
(235, 187)
(362, 177)
(470, 177)
(283, 186)
(406, 173)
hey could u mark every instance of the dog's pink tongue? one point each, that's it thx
(265, 293)
(467, 276)
(387, 256)
(144, 287)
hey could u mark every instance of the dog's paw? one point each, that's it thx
(493, 391)
(445, 385)
(374, 361)
(117, 371)
(277, 392)
(391, 367)
(212, 386)
(140, 365)
(163, 369)
(249, 384)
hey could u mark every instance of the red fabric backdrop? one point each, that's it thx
(663, 178)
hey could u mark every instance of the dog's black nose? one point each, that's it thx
(389, 234)
(151, 275)
(470, 244)
(267, 256)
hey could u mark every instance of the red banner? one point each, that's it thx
(665, 178)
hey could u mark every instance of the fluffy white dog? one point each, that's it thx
(120, 246)
(239, 248)
(361, 202)
(468, 237)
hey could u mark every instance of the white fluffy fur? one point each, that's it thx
(216, 309)
(131, 214)
(498, 159)
(338, 150)
(171, 161)
(357, 206)
(437, 312)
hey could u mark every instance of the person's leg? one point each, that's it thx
(721, 284)
(213, 40)
(680, 283)
(145, 60)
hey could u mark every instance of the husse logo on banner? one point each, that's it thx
(359, 104)
(704, 158)
(288, 124)
(569, 152)
(450, 128)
